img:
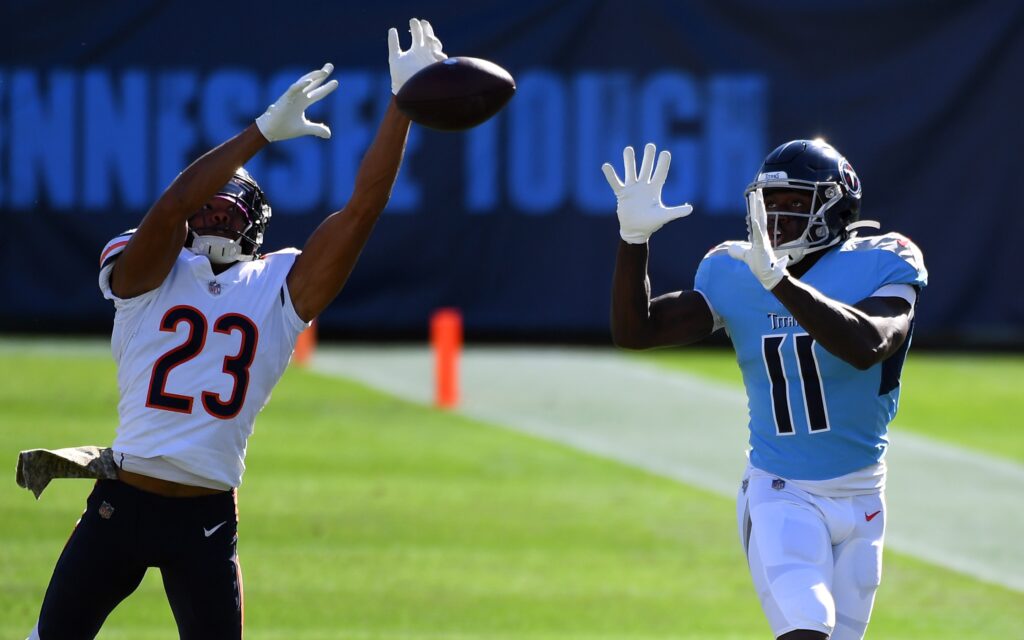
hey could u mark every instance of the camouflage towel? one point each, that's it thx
(36, 467)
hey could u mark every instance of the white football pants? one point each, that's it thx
(816, 561)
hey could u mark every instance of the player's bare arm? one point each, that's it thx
(331, 252)
(861, 335)
(677, 318)
(638, 322)
(150, 254)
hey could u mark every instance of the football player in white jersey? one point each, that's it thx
(204, 327)
(821, 321)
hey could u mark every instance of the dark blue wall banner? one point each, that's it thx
(513, 222)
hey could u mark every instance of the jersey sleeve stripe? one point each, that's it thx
(111, 259)
(113, 246)
(904, 291)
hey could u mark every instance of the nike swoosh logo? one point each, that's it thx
(869, 518)
(210, 532)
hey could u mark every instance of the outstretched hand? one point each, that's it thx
(286, 118)
(638, 198)
(758, 253)
(425, 50)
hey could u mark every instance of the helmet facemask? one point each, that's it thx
(817, 234)
(245, 194)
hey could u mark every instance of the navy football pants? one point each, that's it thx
(123, 532)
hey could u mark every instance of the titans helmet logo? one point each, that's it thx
(849, 177)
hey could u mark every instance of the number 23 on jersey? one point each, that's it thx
(237, 366)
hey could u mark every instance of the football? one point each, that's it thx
(455, 94)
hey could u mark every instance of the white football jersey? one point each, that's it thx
(197, 358)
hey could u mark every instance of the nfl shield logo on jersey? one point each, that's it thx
(214, 287)
(106, 510)
(778, 484)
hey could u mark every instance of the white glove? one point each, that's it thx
(425, 50)
(640, 210)
(758, 253)
(286, 118)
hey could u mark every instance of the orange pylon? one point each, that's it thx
(446, 341)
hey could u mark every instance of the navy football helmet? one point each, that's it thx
(814, 166)
(246, 194)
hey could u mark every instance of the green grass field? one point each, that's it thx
(367, 517)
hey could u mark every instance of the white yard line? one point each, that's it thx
(953, 508)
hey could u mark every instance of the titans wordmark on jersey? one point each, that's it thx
(812, 415)
(197, 358)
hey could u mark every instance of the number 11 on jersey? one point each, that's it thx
(773, 349)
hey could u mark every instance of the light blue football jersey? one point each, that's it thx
(812, 415)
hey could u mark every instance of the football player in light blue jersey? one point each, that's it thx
(820, 319)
